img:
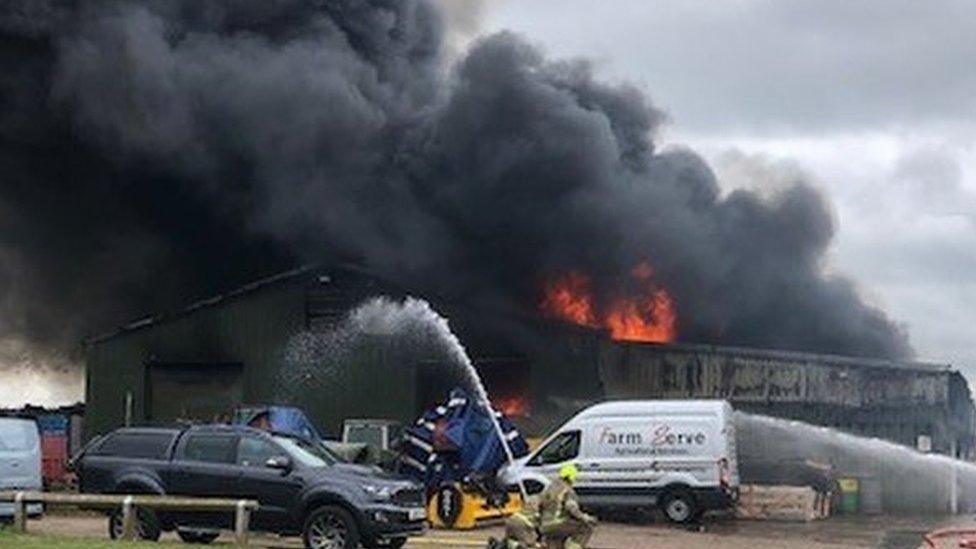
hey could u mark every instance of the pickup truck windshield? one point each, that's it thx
(305, 453)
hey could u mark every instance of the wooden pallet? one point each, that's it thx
(782, 503)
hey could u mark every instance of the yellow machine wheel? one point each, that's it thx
(453, 507)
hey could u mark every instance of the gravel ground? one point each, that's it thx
(835, 533)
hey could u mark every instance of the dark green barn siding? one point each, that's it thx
(250, 329)
(371, 380)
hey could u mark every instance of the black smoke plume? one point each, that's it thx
(154, 151)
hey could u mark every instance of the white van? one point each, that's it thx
(20, 462)
(677, 454)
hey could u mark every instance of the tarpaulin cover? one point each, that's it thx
(280, 419)
(456, 441)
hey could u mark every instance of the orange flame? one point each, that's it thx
(569, 299)
(512, 406)
(647, 317)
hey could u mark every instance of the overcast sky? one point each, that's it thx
(874, 101)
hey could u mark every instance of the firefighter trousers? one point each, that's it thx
(567, 534)
(520, 532)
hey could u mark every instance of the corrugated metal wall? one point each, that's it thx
(248, 330)
(372, 379)
(632, 370)
(894, 401)
(375, 379)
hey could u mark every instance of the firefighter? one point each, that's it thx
(562, 523)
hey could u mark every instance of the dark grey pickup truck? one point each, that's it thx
(302, 489)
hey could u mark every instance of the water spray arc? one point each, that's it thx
(911, 481)
(460, 356)
(412, 320)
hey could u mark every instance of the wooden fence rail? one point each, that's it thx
(128, 503)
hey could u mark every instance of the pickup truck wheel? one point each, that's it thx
(195, 536)
(147, 525)
(330, 527)
(679, 506)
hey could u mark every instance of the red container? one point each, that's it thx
(54, 456)
(54, 446)
(53, 470)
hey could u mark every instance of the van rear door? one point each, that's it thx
(20, 455)
(731, 448)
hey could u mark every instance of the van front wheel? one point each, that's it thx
(679, 506)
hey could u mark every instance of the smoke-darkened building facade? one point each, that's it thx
(912, 403)
(240, 348)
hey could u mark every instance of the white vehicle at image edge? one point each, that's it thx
(679, 455)
(20, 462)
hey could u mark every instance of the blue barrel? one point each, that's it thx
(55, 424)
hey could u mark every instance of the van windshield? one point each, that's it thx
(562, 448)
(17, 435)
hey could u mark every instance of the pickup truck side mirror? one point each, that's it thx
(281, 463)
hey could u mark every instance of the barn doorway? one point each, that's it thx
(505, 378)
(193, 391)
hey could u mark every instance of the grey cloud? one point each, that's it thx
(933, 180)
(797, 66)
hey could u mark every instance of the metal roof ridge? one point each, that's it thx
(205, 303)
(852, 360)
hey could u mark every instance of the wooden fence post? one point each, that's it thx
(20, 513)
(128, 519)
(242, 522)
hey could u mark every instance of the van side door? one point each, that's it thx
(620, 467)
(640, 456)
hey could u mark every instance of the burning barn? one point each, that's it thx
(280, 340)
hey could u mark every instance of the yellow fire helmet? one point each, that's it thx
(569, 472)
